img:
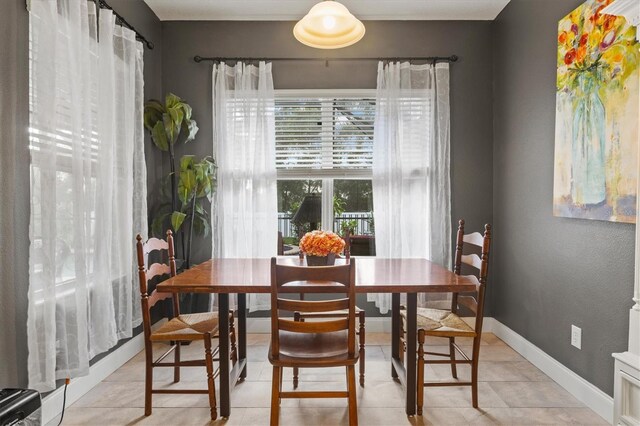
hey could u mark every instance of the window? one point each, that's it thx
(55, 138)
(324, 146)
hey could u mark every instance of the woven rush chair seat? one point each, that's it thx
(187, 327)
(440, 322)
(448, 324)
(181, 328)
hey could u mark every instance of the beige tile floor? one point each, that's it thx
(511, 390)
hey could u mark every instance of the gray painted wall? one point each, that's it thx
(549, 272)
(471, 78)
(14, 275)
(14, 192)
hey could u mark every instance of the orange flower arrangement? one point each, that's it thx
(321, 243)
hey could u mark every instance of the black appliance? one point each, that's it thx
(20, 407)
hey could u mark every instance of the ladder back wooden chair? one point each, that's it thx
(300, 316)
(448, 324)
(313, 344)
(180, 328)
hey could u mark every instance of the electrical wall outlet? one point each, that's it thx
(576, 337)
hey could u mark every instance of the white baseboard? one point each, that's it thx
(52, 403)
(581, 389)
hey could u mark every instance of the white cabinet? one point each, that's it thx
(627, 389)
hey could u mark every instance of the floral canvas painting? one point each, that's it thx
(597, 111)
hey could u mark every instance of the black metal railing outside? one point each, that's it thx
(362, 222)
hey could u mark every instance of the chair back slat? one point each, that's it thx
(157, 270)
(154, 244)
(317, 275)
(472, 260)
(313, 326)
(150, 299)
(480, 262)
(305, 279)
(475, 239)
(468, 302)
(312, 306)
(302, 287)
(473, 279)
(156, 297)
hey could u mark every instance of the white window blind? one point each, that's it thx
(324, 136)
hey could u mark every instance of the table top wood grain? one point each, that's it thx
(373, 275)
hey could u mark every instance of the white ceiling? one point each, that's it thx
(285, 10)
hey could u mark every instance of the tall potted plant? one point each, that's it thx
(191, 184)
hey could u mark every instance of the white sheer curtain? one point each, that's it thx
(411, 181)
(88, 194)
(245, 219)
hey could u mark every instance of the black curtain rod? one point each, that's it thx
(120, 20)
(452, 58)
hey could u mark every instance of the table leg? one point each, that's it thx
(395, 331)
(411, 363)
(242, 333)
(223, 330)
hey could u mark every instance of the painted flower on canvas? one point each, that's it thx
(596, 115)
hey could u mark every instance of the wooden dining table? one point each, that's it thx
(373, 275)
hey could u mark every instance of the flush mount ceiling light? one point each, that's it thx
(329, 25)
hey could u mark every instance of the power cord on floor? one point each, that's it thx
(64, 399)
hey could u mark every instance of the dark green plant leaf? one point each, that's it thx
(199, 169)
(177, 218)
(200, 210)
(153, 111)
(154, 103)
(204, 187)
(170, 128)
(186, 185)
(177, 115)
(158, 225)
(201, 225)
(163, 208)
(159, 136)
(187, 162)
(171, 100)
(196, 179)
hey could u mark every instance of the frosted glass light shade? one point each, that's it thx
(329, 25)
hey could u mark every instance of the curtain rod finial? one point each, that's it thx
(454, 58)
(197, 58)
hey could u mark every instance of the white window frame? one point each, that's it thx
(326, 175)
